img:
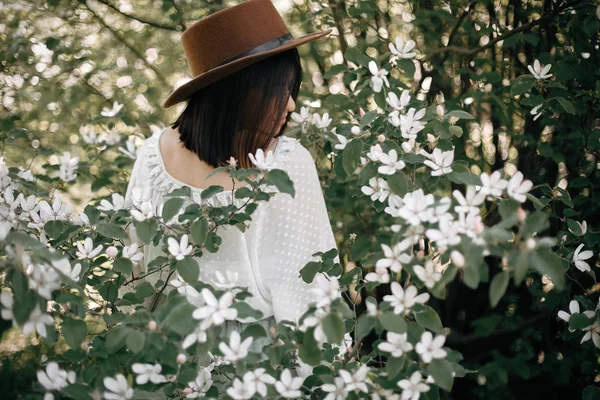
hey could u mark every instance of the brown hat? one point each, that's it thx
(231, 39)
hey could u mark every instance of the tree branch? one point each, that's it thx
(176, 28)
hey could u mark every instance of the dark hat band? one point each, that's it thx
(270, 45)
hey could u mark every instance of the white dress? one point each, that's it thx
(267, 257)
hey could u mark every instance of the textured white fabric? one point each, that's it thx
(281, 238)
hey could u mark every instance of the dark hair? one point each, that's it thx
(239, 113)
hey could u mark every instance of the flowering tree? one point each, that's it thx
(427, 222)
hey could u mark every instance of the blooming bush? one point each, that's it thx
(455, 262)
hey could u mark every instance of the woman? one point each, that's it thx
(246, 81)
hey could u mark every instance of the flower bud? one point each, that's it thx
(530, 243)
(564, 238)
(420, 254)
(381, 138)
(187, 390)
(84, 346)
(355, 130)
(430, 138)
(181, 358)
(112, 251)
(457, 259)
(152, 325)
(521, 215)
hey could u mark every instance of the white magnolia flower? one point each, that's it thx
(85, 249)
(517, 187)
(201, 384)
(375, 152)
(258, 380)
(181, 249)
(378, 189)
(64, 266)
(140, 196)
(190, 292)
(68, 167)
(197, 336)
(342, 142)
(131, 151)
(118, 202)
(430, 347)
(55, 378)
(402, 49)
(574, 309)
(428, 275)
(316, 320)
(148, 372)
(379, 77)
(536, 112)
(287, 386)
(447, 234)
(391, 163)
(327, 290)
(118, 388)
(131, 252)
(403, 300)
(262, 161)
(336, 390)
(593, 332)
(414, 207)
(538, 72)
(144, 212)
(439, 161)
(469, 203)
(37, 321)
(492, 185)
(380, 275)
(396, 103)
(579, 258)
(394, 258)
(357, 380)
(108, 112)
(413, 387)
(410, 123)
(321, 122)
(240, 390)
(236, 349)
(58, 212)
(7, 301)
(396, 344)
(226, 282)
(303, 118)
(25, 174)
(43, 279)
(215, 312)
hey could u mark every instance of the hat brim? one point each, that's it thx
(187, 89)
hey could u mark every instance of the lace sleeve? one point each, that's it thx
(289, 230)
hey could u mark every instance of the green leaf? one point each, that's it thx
(580, 321)
(392, 322)
(520, 265)
(456, 131)
(245, 311)
(548, 263)
(199, 230)
(368, 118)
(74, 331)
(211, 191)
(591, 26)
(135, 341)
(336, 69)
(523, 84)
(354, 274)
(54, 228)
(171, 208)
(566, 104)
(146, 230)
(398, 183)
(213, 241)
(536, 222)
(591, 393)
(309, 349)
(188, 269)
(351, 155)
(364, 325)
(115, 339)
(394, 365)
(255, 331)
(498, 287)
(282, 181)
(428, 318)
(112, 231)
(460, 114)
(441, 370)
(333, 326)
(309, 271)
(123, 265)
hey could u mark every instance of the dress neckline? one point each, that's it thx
(164, 181)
